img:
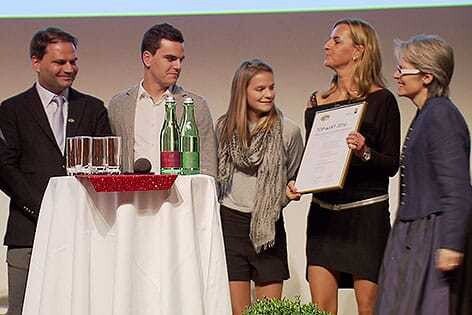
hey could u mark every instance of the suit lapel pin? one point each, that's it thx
(71, 120)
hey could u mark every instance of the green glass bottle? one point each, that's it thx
(170, 137)
(189, 140)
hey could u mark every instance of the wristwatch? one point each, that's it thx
(366, 155)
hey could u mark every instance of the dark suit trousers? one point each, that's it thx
(18, 260)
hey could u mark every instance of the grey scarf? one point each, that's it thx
(267, 157)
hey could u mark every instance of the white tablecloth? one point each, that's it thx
(129, 253)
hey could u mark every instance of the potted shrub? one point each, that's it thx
(285, 306)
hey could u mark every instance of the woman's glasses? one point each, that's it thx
(402, 71)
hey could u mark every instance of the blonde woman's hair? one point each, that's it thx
(367, 70)
(429, 54)
(235, 119)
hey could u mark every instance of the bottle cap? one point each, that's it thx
(170, 99)
(188, 101)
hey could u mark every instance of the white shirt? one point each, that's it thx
(150, 116)
(46, 97)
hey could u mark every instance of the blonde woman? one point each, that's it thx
(347, 229)
(259, 152)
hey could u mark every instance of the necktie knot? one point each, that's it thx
(59, 101)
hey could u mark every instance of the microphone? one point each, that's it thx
(142, 166)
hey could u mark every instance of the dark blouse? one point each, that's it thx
(381, 129)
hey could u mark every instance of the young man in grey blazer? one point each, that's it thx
(137, 113)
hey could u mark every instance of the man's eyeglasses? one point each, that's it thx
(403, 71)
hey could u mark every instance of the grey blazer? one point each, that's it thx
(122, 110)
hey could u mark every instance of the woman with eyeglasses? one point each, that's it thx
(425, 248)
(259, 151)
(347, 229)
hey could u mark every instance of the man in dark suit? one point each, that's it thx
(35, 124)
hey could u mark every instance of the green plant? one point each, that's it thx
(285, 306)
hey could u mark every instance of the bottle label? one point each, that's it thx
(170, 159)
(191, 160)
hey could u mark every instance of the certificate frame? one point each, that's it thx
(326, 158)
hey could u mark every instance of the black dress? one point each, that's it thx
(352, 241)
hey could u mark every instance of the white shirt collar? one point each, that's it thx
(46, 96)
(142, 93)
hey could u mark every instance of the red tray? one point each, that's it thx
(129, 182)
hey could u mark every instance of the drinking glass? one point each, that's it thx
(85, 155)
(78, 155)
(99, 155)
(114, 155)
(72, 155)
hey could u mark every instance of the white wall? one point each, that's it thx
(215, 46)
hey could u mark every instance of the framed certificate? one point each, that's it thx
(326, 158)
